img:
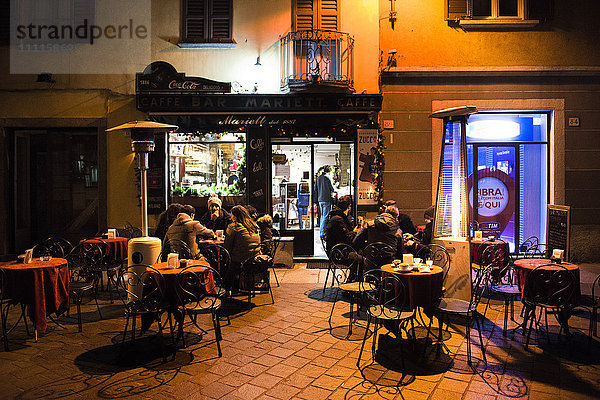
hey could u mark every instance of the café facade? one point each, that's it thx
(263, 150)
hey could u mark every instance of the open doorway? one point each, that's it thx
(294, 170)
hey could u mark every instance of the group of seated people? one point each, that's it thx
(243, 231)
(391, 227)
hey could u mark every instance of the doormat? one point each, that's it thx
(317, 264)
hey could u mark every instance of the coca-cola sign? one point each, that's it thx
(162, 77)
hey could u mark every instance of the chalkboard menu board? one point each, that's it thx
(558, 228)
(256, 167)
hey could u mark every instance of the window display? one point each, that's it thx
(201, 164)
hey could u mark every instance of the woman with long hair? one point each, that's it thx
(242, 240)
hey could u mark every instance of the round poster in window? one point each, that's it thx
(495, 201)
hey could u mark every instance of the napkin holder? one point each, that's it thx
(558, 255)
(478, 235)
(28, 256)
(112, 233)
(172, 260)
(408, 259)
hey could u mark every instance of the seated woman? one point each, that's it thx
(242, 240)
(186, 229)
(166, 219)
(265, 224)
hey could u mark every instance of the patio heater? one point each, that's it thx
(144, 250)
(451, 226)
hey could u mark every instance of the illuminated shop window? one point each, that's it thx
(507, 158)
(201, 164)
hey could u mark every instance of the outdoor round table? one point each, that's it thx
(525, 265)
(477, 250)
(423, 289)
(170, 277)
(43, 286)
(118, 247)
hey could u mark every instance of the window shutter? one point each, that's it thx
(220, 20)
(304, 15)
(194, 19)
(328, 14)
(542, 10)
(457, 9)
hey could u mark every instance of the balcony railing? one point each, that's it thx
(317, 58)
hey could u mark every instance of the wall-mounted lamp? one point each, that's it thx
(392, 17)
(258, 64)
(45, 77)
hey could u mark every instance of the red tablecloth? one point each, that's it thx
(479, 246)
(524, 265)
(41, 285)
(424, 289)
(118, 247)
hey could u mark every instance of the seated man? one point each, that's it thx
(339, 228)
(404, 221)
(216, 218)
(184, 228)
(384, 229)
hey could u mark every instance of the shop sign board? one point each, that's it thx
(558, 228)
(367, 148)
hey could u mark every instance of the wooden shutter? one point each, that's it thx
(328, 14)
(304, 15)
(542, 10)
(457, 9)
(220, 20)
(194, 20)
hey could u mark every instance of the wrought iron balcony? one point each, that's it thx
(314, 60)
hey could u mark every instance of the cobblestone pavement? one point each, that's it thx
(287, 350)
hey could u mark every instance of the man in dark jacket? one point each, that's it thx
(339, 228)
(324, 191)
(384, 229)
(404, 221)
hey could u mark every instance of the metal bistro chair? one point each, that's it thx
(85, 271)
(440, 257)
(377, 254)
(344, 264)
(465, 309)
(269, 247)
(175, 246)
(386, 299)
(54, 247)
(145, 288)
(255, 276)
(129, 231)
(197, 292)
(507, 286)
(219, 259)
(549, 287)
(5, 304)
(591, 304)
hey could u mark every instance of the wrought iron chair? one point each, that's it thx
(197, 292)
(549, 287)
(269, 247)
(85, 271)
(591, 304)
(466, 309)
(129, 231)
(145, 288)
(53, 247)
(345, 263)
(219, 259)
(507, 286)
(440, 257)
(255, 276)
(377, 254)
(386, 299)
(175, 246)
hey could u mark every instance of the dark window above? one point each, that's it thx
(207, 23)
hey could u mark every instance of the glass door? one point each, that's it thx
(292, 194)
(493, 190)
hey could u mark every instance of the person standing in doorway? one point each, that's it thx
(324, 192)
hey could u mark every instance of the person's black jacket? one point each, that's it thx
(323, 189)
(220, 223)
(384, 228)
(339, 229)
(406, 224)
